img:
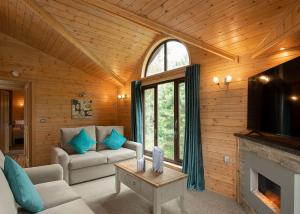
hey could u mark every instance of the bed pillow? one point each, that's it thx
(82, 142)
(115, 140)
(21, 186)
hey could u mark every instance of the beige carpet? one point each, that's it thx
(100, 196)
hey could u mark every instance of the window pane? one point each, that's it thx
(181, 118)
(177, 55)
(165, 116)
(149, 118)
(156, 63)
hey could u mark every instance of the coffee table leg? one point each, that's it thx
(117, 182)
(157, 202)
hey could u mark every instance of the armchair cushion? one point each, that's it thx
(43, 174)
(56, 193)
(92, 158)
(67, 135)
(103, 131)
(77, 206)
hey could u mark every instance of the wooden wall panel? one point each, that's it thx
(55, 83)
(223, 112)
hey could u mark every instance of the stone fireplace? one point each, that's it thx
(269, 179)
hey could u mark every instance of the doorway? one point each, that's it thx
(164, 118)
(15, 120)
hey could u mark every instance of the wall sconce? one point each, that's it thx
(122, 96)
(82, 94)
(227, 80)
(15, 73)
(216, 80)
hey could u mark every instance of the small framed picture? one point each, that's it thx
(81, 109)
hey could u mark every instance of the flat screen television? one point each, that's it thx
(274, 100)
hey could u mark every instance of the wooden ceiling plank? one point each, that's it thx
(288, 25)
(161, 28)
(61, 29)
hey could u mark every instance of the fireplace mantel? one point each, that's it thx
(285, 157)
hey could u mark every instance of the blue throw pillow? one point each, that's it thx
(82, 142)
(22, 188)
(115, 140)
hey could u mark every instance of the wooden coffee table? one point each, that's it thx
(156, 188)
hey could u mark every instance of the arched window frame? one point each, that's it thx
(153, 50)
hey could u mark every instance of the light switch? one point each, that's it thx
(226, 159)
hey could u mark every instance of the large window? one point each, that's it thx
(169, 55)
(164, 118)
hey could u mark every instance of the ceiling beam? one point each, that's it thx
(32, 4)
(287, 26)
(110, 8)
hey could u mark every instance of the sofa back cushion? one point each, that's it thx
(67, 135)
(7, 201)
(103, 131)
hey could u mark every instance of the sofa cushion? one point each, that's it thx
(115, 140)
(67, 135)
(103, 131)
(21, 186)
(91, 158)
(82, 142)
(56, 193)
(121, 154)
(7, 201)
(77, 206)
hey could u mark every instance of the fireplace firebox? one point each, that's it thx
(269, 189)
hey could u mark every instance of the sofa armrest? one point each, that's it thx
(138, 147)
(61, 157)
(43, 174)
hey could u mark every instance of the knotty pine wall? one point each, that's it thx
(55, 83)
(223, 112)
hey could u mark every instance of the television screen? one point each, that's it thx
(274, 100)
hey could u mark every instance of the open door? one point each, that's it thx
(5, 128)
(15, 120)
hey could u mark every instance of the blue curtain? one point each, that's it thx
(136, 112)
(192, 160)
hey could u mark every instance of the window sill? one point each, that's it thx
(167, 164)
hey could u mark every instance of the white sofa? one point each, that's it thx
(99, 161)
(57, 196)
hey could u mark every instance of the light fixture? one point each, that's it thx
(264, 79)
(285, 53)
(294, 98)
(15, 73)
(122, 96)
(282, 49)
(216, 80)
(227, 80)
(82, 94)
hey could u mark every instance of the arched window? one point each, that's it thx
(168, 55)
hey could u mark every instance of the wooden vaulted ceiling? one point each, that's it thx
(236, 26)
